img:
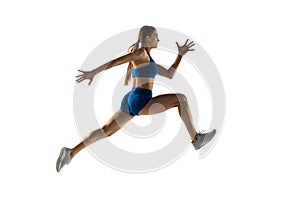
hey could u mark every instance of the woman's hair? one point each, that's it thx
(144, 31)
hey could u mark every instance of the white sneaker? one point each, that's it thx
(63, 159)
(203, 138)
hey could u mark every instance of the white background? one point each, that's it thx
(255, 46)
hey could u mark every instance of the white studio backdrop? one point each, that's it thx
(254, 45)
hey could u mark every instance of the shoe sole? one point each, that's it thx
(61, 156)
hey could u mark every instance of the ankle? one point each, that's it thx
(72, 153)
(195, 138)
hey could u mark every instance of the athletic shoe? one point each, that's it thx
(203, 138)
(63, 159)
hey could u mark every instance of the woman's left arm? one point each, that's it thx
(182, 50)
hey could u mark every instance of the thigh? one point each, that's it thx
(117, 121)
(124, 104)
(160, 104)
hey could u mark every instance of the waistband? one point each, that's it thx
(139, 89)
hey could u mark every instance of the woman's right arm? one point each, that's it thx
(118, 61)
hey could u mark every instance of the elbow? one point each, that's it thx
(171, 75)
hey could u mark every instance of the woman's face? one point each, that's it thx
(152, 40)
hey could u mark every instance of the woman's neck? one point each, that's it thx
(146, 48)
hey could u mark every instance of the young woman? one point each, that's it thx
(138, 101)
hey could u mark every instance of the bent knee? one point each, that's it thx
(181, 98)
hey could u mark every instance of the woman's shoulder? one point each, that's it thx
(140, 52)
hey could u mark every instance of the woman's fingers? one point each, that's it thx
(187, 40)
(84, 76)
(191, 44)
(80, 75)
(185, 47)
(80, 79)
(190, 47)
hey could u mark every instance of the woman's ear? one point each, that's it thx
(147, 38)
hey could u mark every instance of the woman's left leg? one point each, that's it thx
(117, 121)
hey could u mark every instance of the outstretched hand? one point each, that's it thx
(86, 75)
(182, 50)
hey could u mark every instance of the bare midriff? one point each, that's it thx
(143, 82)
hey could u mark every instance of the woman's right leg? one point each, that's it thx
(117, 121)
(164, 102)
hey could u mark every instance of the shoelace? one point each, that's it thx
(202, 131)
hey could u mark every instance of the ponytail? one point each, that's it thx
(144, 31)
(130, 65)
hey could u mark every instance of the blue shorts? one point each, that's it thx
(135, 100)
